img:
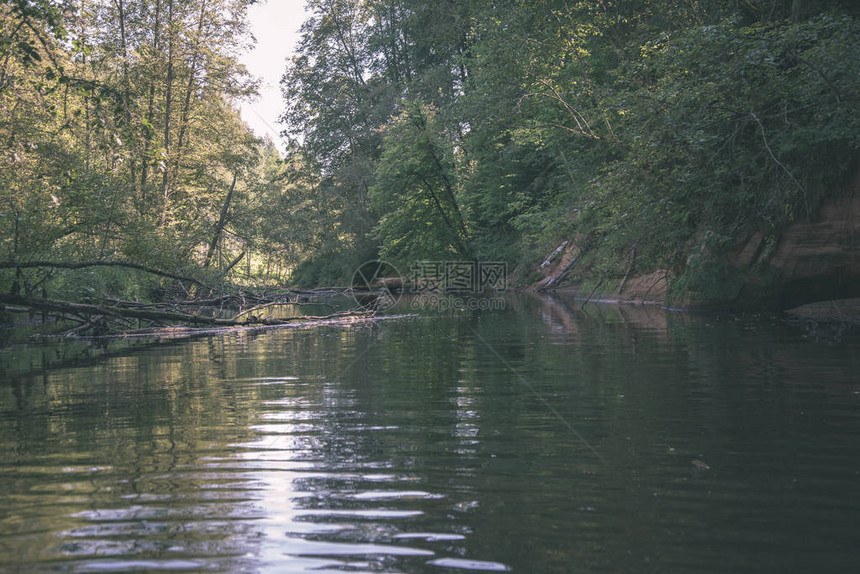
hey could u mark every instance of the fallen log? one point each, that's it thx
(157, 315)
(554, 280)
(548, 261)
(87, 309)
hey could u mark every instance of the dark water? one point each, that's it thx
(537, 439)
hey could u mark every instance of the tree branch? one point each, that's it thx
(108, 263)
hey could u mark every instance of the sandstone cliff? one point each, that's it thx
(808, 261)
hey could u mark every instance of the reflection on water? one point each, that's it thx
(541, 438)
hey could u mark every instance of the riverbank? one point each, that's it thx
(813, 260)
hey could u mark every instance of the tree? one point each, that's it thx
(641, 127)
(417, 190)
(100, 96)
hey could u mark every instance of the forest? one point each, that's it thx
(650, 134)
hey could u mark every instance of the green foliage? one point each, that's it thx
(642, 126)
(656, 132)
(120, 137)
(416, 191)
(729, 128)
(335, 268)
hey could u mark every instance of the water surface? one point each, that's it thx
(540, 438)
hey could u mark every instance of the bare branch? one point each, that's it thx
(108, 263)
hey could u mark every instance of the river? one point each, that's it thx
(537, 438)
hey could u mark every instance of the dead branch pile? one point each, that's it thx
(240, 307)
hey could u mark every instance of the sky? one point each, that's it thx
(275, 24)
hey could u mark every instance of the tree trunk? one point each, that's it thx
(189, 89)
(150, 111)
(126, 88)
(168, 100)
(222, 222)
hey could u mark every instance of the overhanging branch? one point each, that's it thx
(109, 263)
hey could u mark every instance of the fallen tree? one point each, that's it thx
(93, 315)
(552, 281)
(238, 308)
